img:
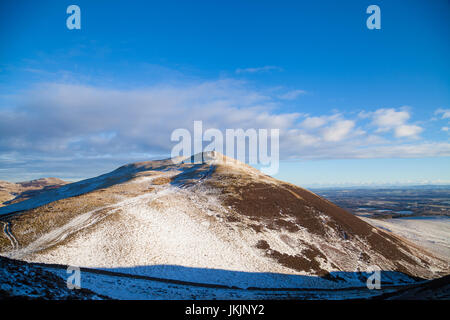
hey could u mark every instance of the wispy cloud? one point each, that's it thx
(444, 113)
(292, 95)
(258, 69)
(312, 122)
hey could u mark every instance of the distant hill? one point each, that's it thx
(11, 192)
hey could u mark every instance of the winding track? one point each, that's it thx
(9, 235)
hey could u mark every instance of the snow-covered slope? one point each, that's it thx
(218, 222)
(432, 233)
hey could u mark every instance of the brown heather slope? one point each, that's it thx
(217, 214)
(282, 206)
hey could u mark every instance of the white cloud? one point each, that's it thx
(338, 131)
(60, 118)
(446, 129)
(300, 138)
(314, 122)
(387, 119)
(55, 121)
(407, 131)
(318, 121)
(391, 119)
(258, 69)
(445, 113)
(292, 95)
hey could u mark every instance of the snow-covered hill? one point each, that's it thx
(216, 222)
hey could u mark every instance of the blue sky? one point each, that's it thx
(354, 106)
